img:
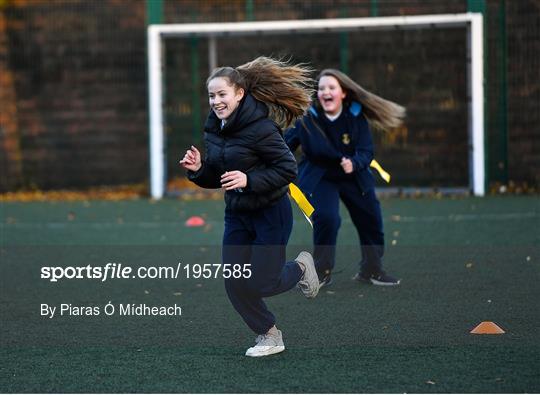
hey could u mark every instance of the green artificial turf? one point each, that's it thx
(462, 261)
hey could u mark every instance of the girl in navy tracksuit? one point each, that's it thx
(338, 149)
(247, 156)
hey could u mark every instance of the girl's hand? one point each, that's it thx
(233, 180)
(192, 159)
(347, 165)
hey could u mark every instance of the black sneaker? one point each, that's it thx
(325, 278)
(377, 279)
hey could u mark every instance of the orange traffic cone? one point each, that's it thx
(487, 328)
(195, 221)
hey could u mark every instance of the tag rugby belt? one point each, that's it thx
(306, 207)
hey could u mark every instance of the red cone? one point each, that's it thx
(194, 221)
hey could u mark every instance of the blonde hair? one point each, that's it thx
(285, 88)
(381, 113)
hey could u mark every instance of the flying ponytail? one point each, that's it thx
(285, 88)
(381, 113)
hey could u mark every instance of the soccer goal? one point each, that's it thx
(471, 22)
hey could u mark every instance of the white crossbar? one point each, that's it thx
(472, 21)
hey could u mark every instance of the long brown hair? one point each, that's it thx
(381, 113)
(284, 87)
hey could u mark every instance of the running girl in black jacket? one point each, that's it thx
(338, 150)
(247, 156)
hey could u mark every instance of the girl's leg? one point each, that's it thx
(366, 215)
(326, 223)
(259, 240)
(271, 273)
(237, 240)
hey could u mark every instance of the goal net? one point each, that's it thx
(431, 64)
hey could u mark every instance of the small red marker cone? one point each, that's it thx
(487, 328)
(194, 221)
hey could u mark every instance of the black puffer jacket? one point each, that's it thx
(251, 143)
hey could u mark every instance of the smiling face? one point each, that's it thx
(223, 97)
(330, 95)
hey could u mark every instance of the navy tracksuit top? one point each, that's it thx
(323, 148)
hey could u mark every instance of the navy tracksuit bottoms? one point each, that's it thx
(260, 239)
(365, 212)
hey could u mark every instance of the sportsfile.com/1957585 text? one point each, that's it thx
(119, 271)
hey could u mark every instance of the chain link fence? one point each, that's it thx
(73, 97)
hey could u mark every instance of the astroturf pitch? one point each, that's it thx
(461, 260)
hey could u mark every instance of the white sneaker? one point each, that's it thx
(267, 345)
(309, 284)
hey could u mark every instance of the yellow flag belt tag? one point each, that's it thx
(302, 202)
(306, 207)
(384, 175)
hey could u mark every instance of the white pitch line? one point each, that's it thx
(465, 217)
(157, 224)
(91, 225)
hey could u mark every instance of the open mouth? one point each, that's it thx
(328, 100)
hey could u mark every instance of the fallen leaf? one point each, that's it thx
(121, 192)
(207, 228)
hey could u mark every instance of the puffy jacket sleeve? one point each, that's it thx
(280, 166)
(207, 176)
(204, 177)
(364, 146)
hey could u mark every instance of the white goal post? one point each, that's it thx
(473, 22)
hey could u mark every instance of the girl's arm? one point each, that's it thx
(205, 177)
(364, 147)
(280, 169)
(199, 171)
(292, 138)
